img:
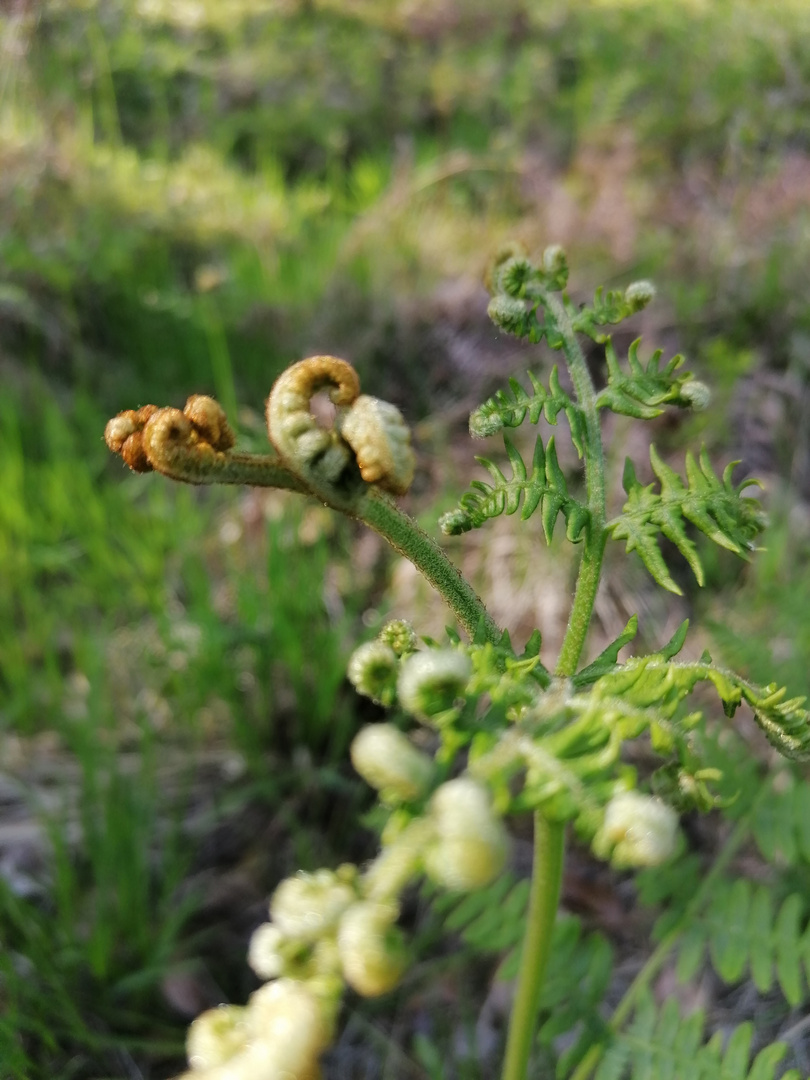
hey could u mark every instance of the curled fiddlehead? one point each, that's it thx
(369, 442)
(368, 434)
(195, 446)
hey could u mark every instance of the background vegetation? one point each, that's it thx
(192, 195)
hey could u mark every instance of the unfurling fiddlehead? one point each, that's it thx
(368, 444)
(194, 446)
(352, 467)
(367, 431)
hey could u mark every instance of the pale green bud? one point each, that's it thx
(289, 1027)
(325, 966)
(639, 294)
(399, 635)
(431, 681)
(455, 522)
(381, 440)
(509, 314)
(471, 842)
(372, 950)
(513, 274)
(638, 830)
(484, 422)
(307, 905)
(216, 1036)
(462, 864)
(263, 951)
(388, 760)
(695, 394)
(372, 670)
(555, 263)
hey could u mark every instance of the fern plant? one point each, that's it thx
(509, 733)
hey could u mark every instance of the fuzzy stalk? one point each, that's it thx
(373, 508)
(590, 568)
(235, 467)
(544, 898)
(549, 837)
(403, 534)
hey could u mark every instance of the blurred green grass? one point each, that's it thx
(193, 195)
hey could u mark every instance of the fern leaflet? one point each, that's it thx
(781, 823)
(545, 488)
(488, 920)
(607, 659)
(740, 930)
(714, 506)
(658, 1045)
(650, 688)
(643, 390)
(492, 920)
(505, 410)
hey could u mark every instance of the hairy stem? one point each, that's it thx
(404, 535)
(594, 547)
(235, 467)
(590, 571)
(373, 508)
(549, 837)
(549, 848)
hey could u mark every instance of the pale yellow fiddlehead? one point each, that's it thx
(368, 434)
(381, 440)
(310, 450)
(353, 466)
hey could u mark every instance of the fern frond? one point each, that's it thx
(713, 505)
(543, 488)
(651, 688)
(609, 307)
(781, 823)
(642, 391)
(741, 931)
(489, 920)
(606, 660)
(510, 410)
(664, 1044)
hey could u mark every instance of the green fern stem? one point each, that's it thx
(380, 513)
(373, 508)
(544, 898)
(590, 567)
(549, 837)
(659, 956)
(235, 467)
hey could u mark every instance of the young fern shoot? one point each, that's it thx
(511, 734)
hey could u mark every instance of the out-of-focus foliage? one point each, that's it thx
(178, 175)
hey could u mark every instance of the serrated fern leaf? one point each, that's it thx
(509, 410)
(642, 391)
(610, 306)
(489, 920)
(544, 488)
(741, 931)
(781, 823)
(651, 687)
(713, 505)
(606, 660)
(665, 1046)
